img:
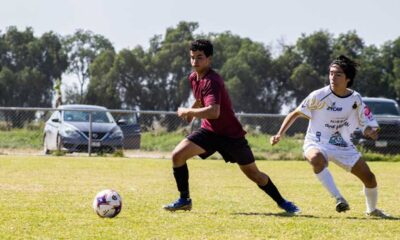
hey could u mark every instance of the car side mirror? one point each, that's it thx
(56, 120)
(122, 122)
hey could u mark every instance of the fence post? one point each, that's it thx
(90, 134)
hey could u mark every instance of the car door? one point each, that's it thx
(51, 130)
(129, 124)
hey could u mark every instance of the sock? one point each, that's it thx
(273, 192)
(326, 179)
(371, 198)
(181, 175)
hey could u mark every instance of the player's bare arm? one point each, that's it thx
(196, 104)
(287, 122)
(209, 112)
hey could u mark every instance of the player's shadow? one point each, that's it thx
(284, 214)
(281, 214)
(375, 218)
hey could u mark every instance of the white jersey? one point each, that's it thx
(333, 118)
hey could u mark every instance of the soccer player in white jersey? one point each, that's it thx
(334, 112)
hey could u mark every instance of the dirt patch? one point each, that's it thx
(127, 153)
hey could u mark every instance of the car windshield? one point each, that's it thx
(81, 116)
(383, 108)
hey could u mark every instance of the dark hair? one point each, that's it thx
(348, 66)
(202, 45)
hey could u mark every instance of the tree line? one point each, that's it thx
(156, 78)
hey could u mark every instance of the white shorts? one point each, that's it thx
(345, 157)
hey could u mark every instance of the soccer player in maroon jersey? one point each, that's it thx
(220, 132)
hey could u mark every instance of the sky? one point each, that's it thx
(128, 23)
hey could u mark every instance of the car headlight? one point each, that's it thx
(69, 132)
(117, 134)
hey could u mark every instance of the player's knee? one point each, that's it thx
(370, 180)
(177, 159)
(317, 161)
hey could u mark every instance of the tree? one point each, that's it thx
(390, 58)
(103, 87)
(305, 79)
(170, 66)
(370, 79)
(246, 74)
(131, 78)
(28, 69)
(316, 50)
(282, 91)
(349, 44)
(82, 48)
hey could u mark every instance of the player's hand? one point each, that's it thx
(196, 104)
(371, 133)
(275, 139)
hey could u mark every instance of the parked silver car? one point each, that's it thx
(68, 130)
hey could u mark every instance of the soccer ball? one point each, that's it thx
(107, 203)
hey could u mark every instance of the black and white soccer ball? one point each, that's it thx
(107, 203)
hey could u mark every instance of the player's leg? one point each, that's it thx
(238, 151)
(265, 183)
(319, 164)
(363, 172)
(182, 152)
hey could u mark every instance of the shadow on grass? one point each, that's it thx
(375, 218)
(284, 214)
(281, 214)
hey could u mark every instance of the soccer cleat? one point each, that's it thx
(180, 204)
(289, 207)
(342, 205)
(378, 213)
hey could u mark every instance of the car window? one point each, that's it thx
(130, 119)
(81, 116)
(383, 108)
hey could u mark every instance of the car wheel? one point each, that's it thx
(46, 150)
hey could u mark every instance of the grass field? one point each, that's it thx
(46, 197)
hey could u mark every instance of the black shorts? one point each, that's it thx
(234, 150)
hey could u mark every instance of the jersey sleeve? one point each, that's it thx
(309, 104)
(212, 93)
(365, 117)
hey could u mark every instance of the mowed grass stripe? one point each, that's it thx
(46, 197)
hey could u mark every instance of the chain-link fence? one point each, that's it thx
(98, 130)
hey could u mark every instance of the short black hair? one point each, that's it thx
(348, 66)
(202, 45)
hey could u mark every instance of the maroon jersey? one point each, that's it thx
(211, 90)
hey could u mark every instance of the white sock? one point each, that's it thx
(371, 198)
(326, 179)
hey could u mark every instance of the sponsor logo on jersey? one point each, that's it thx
(368, 113)
(337, 140)
(334, 108)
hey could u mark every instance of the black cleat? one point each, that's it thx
(342, 205)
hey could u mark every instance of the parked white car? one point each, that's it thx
(68, 130)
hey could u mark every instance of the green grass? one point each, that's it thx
(290, 148)
(47, 197)
(21, 138)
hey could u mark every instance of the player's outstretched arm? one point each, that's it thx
(287, 122)
(209, 112)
